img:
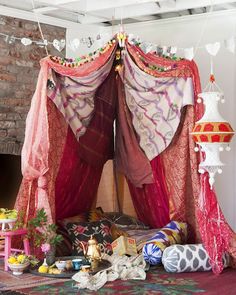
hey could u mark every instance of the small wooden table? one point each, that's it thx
(8, 235)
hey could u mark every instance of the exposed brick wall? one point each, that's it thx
(19, 68)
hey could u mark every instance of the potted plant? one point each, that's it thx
(44, 235)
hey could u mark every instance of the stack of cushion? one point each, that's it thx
(105, 227)
(173, 233)
(188, 258)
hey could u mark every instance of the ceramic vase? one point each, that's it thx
(51, 256)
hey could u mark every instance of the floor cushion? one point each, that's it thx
(173, 233)
(187, 258)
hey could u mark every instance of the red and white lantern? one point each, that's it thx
(213, 134)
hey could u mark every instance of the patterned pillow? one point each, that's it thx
(124, 221)
(81, 232)
(92, 215)
(173, 233)
(187, 258)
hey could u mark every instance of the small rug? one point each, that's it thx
(158, 282)
(8, 281)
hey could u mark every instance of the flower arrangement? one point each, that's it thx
(44, 234)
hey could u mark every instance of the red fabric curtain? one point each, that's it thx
(151, 201)
(76, 183)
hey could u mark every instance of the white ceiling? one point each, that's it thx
(109, 12)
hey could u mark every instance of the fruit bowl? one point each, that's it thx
(18, 269)
(7, 218)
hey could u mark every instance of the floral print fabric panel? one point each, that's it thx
(155, 104)
(81, 232)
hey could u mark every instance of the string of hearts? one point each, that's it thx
(212, 48)
(57, 44)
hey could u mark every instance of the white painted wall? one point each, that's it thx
(186, 32)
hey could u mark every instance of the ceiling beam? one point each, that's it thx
(45, 9)
(90, 19)
(23, 14)
(108, 4)
(151, 8)
(173, 20)
(87, 6)
(56, 2)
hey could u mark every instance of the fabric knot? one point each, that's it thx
(42, 182)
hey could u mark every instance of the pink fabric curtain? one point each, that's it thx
(32, 192)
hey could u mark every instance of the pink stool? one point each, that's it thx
(8, 249)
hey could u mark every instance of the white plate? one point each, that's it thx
(7, 220)
(6, 223)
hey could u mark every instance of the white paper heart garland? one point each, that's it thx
(189, 53)
(213, 48)
(230, 44)
(26, 41)
(59, 44)
(74, 44)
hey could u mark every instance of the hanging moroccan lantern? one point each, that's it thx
(212, 133)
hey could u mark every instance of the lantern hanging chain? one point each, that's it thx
(212, 83)
(203, 30)
(39, 26)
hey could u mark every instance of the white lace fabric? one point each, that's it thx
(122, 267)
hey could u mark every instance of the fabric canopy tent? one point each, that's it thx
(69, 136)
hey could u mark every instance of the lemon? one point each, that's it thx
(12, 260)
(3, 216)
(43, 269)
(21, 258)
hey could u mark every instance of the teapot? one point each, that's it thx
(93, 249)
